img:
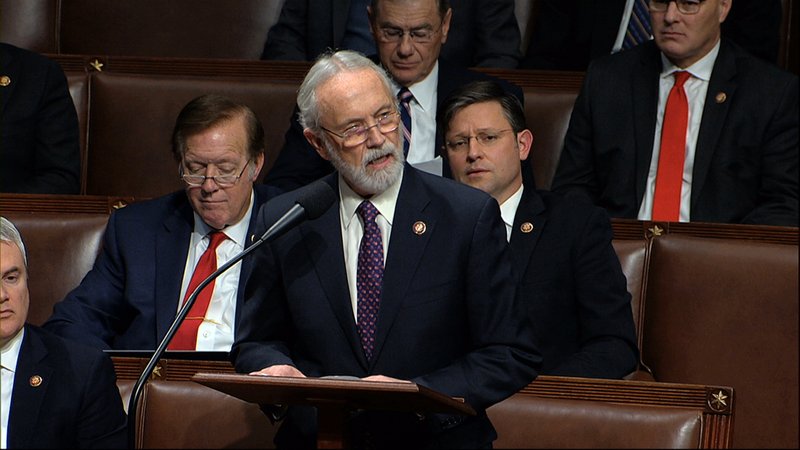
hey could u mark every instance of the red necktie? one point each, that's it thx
(669, 178)
(186, 337)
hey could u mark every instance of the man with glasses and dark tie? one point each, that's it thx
(409, 36)
(156, 252)
(406, 276)
(686, 127)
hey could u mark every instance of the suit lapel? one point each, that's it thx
(406, 249)
(27, 400)
(247, 262)
(714, 114)
(645, 104)
(9, 68)
(328, 260)
(172, 248)
(530, 210)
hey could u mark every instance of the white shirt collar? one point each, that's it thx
(509, 209)
(9, 354)
(701, 69)
(385, 202)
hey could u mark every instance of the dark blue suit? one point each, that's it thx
(130, 297)
(746, 160)
(77, 404)
(299, 164)
(573, 286)
(448, 318)
(39, 146)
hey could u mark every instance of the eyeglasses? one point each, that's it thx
(357, 134)
(684, 6)
(222, 180)
(394, 35)
(486, 139)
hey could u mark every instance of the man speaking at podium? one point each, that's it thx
(406, 277)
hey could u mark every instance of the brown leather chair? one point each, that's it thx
(30, 24)
(174, 28)
(547, 113)
(131, 119)
(726, 311)
(184, 414)
(79, 91)
(61, 248)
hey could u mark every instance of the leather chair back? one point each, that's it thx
(30, 24)
(547, 113)
(726, 311)
(61, 248)
(632, 255)
(131, 122)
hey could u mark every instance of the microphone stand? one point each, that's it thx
(148, 370)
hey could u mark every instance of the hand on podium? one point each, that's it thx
(280, 370)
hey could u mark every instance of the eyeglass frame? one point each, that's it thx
(365, 129)
(384, 38)
(678, 4)
(225, 184)
(448, 145)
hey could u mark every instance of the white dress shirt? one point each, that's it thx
(696, 88)
(217, 330)
(509, 209)
(9, 355)
(423, 118)
(353, 228)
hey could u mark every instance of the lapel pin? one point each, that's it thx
(419, 228)
(526, 227)
(5, 80)
(252, 238)
(721, 97)
(35, 381)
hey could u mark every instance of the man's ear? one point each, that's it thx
(317, 143)
(525, 143)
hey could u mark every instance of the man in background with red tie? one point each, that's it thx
(688, 127)
(156, 252)
(407, 276)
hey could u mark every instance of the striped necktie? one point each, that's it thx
(405, 96)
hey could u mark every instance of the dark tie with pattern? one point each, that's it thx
(638, 26)
(369, 276)
(405, 96)
(186, 336)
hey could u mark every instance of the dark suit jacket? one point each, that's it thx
(746, 162)
(572, 284)
(130, 297)
(39, 147)
(482, 32)
(568, 34)
(299, 164)
(448, 319)
(77, 404)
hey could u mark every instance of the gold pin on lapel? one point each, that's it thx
(526, 227)
(721, 97)
(5, 81)
(35, 381)
(419, 228)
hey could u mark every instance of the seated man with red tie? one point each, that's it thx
(156, 252)
(687, 127)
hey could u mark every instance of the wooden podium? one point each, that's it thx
(334, 398)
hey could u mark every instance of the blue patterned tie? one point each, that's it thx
(638, 26)
(405, 96)
(369, 276)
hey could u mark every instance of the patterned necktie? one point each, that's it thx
(669, 177)
(186, 336)
(405, 96)
(369, 276)
(638, 26)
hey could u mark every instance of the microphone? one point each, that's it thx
(311, 202)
